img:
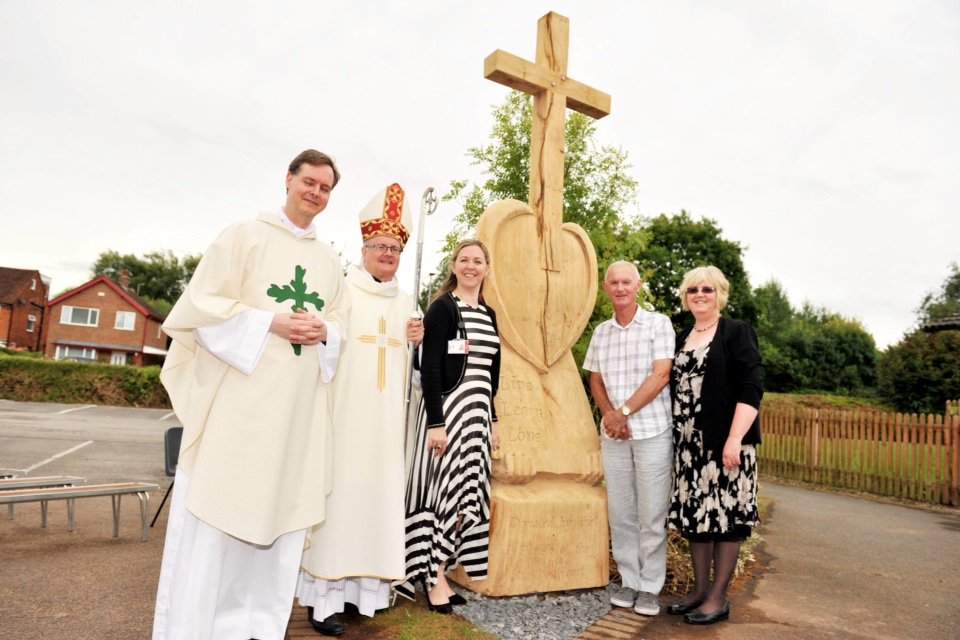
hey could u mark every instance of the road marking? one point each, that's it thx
(86, 406)
(169, 415)
(59, 455)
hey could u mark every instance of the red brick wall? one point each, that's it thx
(108, 302)
(13, 319)
(4, 322)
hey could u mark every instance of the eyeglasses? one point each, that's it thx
(692, 291)
(384, 248)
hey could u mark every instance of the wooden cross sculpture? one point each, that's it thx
(549, 300)
(543, 285)
(546, 80)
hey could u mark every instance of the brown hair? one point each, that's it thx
(451, 281)
(317, 159)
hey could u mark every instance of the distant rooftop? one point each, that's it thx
(946, 323)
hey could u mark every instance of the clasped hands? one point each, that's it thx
(299, 327)
(614, 424)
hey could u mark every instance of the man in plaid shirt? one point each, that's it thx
(629, 358)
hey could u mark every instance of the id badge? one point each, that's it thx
(460, 347)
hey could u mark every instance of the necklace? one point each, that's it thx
(708, 327)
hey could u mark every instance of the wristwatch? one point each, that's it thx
(625, 410)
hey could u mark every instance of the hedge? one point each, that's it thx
(32, 380)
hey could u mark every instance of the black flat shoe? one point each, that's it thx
(330, 626)
(680, 608)
(457, 600)
(698, 617)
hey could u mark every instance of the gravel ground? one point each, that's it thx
(550, 616)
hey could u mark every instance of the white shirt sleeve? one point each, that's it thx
(238, 341)
(328, 354)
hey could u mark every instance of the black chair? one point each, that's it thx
(171, 452)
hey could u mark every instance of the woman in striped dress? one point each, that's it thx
(448, 491)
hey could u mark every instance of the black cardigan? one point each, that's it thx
(733, 375)
(441, 372)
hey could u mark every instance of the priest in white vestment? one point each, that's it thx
(355, 554)
(256, 338)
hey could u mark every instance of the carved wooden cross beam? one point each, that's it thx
(546, 80)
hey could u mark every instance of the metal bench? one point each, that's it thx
(37, 482)
(70, 494)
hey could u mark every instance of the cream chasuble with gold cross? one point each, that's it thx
(363, 534)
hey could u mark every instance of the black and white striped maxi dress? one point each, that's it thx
(457, 484)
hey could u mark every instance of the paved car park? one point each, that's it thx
(102, 444)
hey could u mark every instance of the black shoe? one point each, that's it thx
(680, 608)
(698, 617)
(444, 608)
(457, 600)
(330, 625)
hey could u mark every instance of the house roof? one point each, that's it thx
(139, 303)
(950, 322)
(12, 282)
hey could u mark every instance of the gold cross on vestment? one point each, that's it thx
(382, 341)
(546, 80)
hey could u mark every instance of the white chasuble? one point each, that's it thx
(257, 445)
(363, 534)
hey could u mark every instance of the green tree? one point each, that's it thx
(679, 243)
(159, 276)
(835, 354)
(775, 317)
(811, 348)
(944, 302)
(921, 372)
(597, 187)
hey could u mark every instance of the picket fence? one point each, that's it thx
(916, 457)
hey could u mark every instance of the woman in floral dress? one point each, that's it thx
(716, 385)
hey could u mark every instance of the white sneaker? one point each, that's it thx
(647, 604)
(623, 597)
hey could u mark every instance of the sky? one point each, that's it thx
(822, 135)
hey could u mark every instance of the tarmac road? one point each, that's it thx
(831, 566)
(843, 567)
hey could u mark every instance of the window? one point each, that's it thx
(80, 315)
(33, 284)
(75, 353)
(31, 323)
(125, 320)
(119, 357)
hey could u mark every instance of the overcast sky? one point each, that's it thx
(822, 135)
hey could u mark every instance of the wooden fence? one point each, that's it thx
(907, 456)
(952, 407)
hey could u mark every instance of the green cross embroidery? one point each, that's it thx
(297, 293)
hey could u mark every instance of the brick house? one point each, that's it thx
(103, 321)
(23, 303)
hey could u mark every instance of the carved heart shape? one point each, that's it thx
(540, 313)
